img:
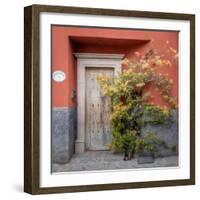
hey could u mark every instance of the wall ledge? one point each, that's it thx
(99, 55)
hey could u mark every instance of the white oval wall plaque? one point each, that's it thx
(59, 76)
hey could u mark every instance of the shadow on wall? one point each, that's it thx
(166, 133)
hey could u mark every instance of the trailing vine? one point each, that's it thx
(131, 103)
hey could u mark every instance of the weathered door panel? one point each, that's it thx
(98, 108)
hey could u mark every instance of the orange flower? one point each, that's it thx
(165, 97)
(125, 61)
(137, 53)
(172, 50)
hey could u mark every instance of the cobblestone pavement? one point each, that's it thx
(104, 160)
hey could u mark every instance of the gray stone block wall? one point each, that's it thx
(63, 134)
(167, 133)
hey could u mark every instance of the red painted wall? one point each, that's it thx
(66, 40)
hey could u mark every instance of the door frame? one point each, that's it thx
(90, 60)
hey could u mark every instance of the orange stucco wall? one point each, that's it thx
(66, 40)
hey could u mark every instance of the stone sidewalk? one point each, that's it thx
(104, 160)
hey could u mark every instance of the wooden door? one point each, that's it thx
(98, 108)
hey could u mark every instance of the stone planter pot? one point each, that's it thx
(145, 158)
